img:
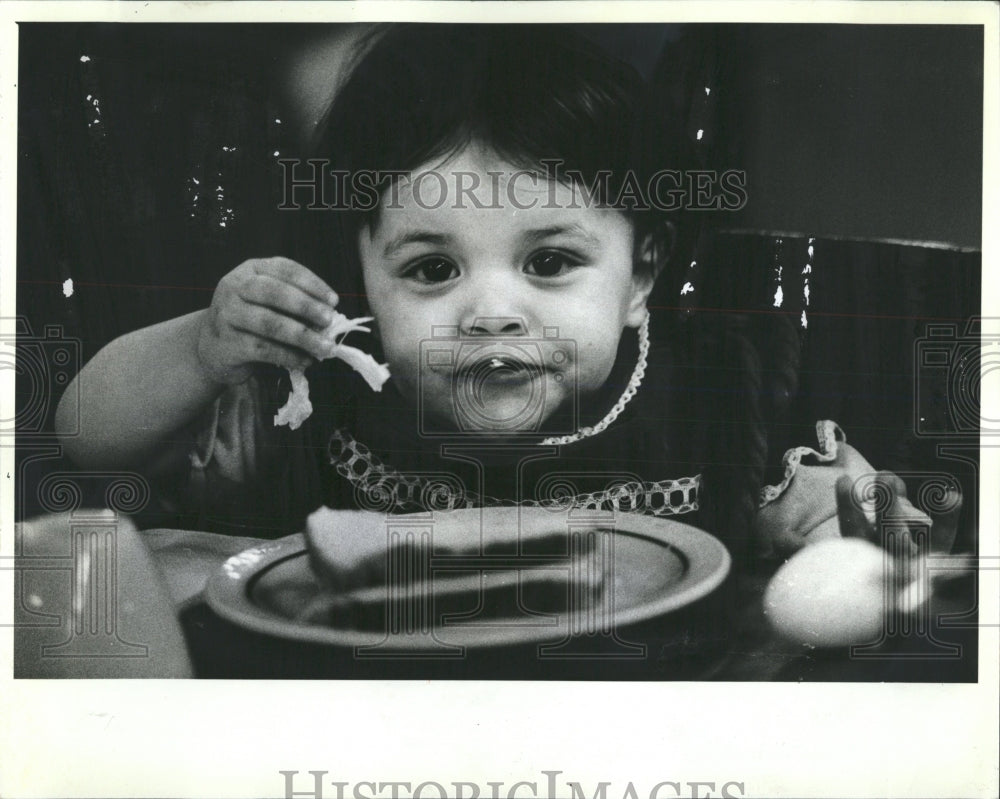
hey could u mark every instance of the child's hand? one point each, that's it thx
(888, 493)
(838, 591)
(266, 310)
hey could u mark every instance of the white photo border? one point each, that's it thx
(231, 738)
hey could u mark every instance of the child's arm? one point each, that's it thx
(144, 387)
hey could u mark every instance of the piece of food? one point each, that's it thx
(486, 595)
(370, 567)
(298, 408)
(833, 593)
(374, 373)
(347, 547)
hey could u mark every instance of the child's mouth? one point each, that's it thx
(502, 388)
(501, 368)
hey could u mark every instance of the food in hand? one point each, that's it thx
(374, 373)
(298, 408)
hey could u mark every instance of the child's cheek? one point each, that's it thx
(405, 368)
(595, 360)
(400, 362)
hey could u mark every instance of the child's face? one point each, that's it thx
(498, 272)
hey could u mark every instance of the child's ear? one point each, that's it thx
(652, 253)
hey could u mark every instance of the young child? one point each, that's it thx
(506, 240)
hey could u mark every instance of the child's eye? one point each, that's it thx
(432, 270)
(550, 263)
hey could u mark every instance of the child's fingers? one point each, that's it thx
(892, 502)
(887, 495)
(945, 526)
(295, 273)
(894, 483)
(287, 298)
(273, 326)
(886, 491)
(853, 522)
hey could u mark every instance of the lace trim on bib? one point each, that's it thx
(381, 488)
(829, 435)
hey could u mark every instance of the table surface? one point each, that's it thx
(725, 637)
(156, 623)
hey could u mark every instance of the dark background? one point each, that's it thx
(867, 139)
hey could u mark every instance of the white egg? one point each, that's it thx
(832, 593)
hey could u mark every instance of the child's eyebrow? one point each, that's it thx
(574, 229)
(529, 236)
(414, 237)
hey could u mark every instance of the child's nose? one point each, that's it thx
(496, 326)
(494, 304)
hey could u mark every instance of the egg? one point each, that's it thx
(832, 593)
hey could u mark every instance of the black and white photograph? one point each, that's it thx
(514, 356)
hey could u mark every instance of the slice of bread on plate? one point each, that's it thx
(495, 563)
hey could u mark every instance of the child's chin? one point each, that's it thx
(492, 423)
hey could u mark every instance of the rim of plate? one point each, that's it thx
(228, 590)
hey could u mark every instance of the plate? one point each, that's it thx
(610, 571)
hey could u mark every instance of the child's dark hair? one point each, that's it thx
(530, 93)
